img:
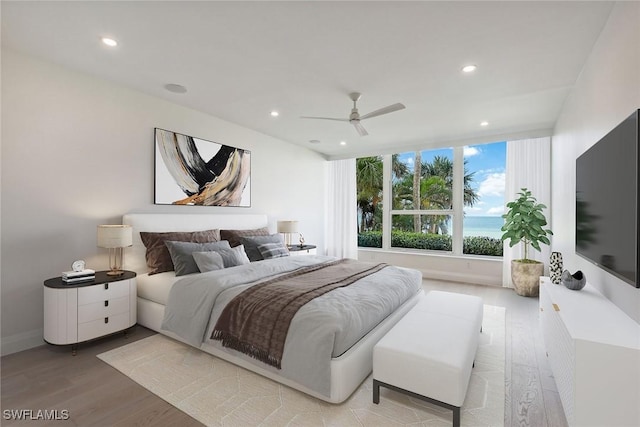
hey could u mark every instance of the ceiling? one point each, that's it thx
(241, 60)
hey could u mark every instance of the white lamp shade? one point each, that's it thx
(114, 236)
(287, 226)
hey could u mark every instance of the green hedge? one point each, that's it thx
(478, 245)
(406, 239)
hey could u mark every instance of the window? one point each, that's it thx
(483, 219)
(446, 200)
(369, 178)
(422, 197)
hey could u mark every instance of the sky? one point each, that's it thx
(488, 161)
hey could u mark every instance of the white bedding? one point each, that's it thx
(346, 371)
(156, 287)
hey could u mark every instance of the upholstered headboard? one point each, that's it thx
(134, 258)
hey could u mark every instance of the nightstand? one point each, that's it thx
(295, 250)
(84, 311)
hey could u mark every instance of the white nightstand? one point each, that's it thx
(296, 250)
(84, 311)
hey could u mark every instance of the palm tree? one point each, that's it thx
(369, 189)
(417, 176)
(443, 167)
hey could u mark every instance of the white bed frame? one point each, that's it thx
(347, 371)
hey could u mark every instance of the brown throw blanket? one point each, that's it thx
(256, 321)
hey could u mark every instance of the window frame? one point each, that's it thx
(456, 213)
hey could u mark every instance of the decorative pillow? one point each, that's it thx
(273, 250)
(158, 258)
(251, 245)
(208, 261)
(183, 261)
(234, 256)
(233, 236)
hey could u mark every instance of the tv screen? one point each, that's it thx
(607, 202)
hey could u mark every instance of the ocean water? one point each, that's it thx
(488, 226)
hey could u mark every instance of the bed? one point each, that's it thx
(331, 375)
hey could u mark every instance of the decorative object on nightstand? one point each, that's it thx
(301, 240)
(555, 267)
(287, 228)
(295, 250)
(115, 238)
(78, 273)
(575, 281)
(78, 312)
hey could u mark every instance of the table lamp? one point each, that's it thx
(287, 228)
(115, 238)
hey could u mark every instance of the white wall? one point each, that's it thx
(78, 151)
(607, 91)
(469, 269)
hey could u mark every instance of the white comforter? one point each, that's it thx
(324, 328)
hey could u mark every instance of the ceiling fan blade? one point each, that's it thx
(385, 110)
(324, 118)
(361, 130)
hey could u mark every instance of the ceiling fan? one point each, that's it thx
(355, 117)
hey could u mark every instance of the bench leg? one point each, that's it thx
(376, 391)
(456, 417)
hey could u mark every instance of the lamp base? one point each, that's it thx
(115, 273)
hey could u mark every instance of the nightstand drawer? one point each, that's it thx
(103, 326)
(103, 292)
(102, 309)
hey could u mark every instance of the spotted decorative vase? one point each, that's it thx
(555, 267)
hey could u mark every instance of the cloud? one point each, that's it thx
(492, 185)
(471, 151)
(498, 210)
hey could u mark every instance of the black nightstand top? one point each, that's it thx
(296, 248)
(101, 277)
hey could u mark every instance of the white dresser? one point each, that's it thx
(84, 311)
(594, 352)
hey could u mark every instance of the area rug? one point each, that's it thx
(218, 393)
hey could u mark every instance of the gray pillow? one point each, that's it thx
(183, 261)
(273, 250)
(234, 256)
(251, 245)
(208, 261)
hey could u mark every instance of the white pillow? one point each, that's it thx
(208, 261)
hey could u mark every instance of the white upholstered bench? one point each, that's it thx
(429, 353)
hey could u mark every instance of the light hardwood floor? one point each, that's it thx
(95, 394)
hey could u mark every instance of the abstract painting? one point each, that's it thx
(193, 171)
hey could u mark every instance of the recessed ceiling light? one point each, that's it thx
(171, 87)
(343, 142)
(485, 123)
(315, 141)
(469, 68)
(109, 42)
(274, 113)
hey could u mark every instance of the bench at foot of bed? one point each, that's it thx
(429, 353)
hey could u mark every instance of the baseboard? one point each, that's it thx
(22, 341)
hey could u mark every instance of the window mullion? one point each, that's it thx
(386, 201)
(458, 200)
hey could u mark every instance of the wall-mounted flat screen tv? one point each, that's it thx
(607, 202)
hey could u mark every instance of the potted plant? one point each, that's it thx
(524, 222)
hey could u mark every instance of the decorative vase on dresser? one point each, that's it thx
(555, 267)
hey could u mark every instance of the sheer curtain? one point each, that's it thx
(341, 228)
(529, 166)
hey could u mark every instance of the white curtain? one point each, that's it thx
(341, 228)
(528, 166)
